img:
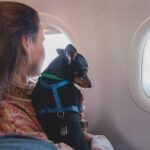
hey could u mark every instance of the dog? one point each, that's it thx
(57, 100)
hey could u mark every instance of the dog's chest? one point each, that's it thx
(68, 94)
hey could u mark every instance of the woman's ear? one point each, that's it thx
(26, 42)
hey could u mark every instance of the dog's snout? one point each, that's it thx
(87, 81)
(90, 85)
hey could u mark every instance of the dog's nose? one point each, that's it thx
(89, 85)
(88, 82)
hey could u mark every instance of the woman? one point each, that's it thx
(21, 56)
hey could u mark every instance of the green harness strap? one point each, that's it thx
(51, 76)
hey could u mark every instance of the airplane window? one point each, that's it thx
(146, 68)
(139, 66)
(57, 34)
(51, 43)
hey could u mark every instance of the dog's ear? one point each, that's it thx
(60, 51)
(71, 52)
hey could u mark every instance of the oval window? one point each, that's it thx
(139, 66)
(57, 34)
(53, 39)
(146, 68)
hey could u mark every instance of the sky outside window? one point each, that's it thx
(51, 43)
(146, 68)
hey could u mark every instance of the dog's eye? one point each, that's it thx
(82, 75)
(85, 70)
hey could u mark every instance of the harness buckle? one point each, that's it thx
(60, 115)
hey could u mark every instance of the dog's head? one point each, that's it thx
(78, 66)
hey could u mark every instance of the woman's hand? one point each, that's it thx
(63, 146)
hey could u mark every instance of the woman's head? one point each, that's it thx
(21, 39)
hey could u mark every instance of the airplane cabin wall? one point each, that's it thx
(104, 29)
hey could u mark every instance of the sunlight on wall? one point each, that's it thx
(51, 43)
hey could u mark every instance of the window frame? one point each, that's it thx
(135, 62)
(62, 26)
(57, 23)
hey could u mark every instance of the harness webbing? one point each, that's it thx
(51, 76)
(54, 90)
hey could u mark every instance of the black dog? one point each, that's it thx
(57, 100)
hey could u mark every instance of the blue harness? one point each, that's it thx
(58, 107)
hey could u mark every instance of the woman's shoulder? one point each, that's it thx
(21, 91)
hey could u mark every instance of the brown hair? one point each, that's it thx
(16, 20)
